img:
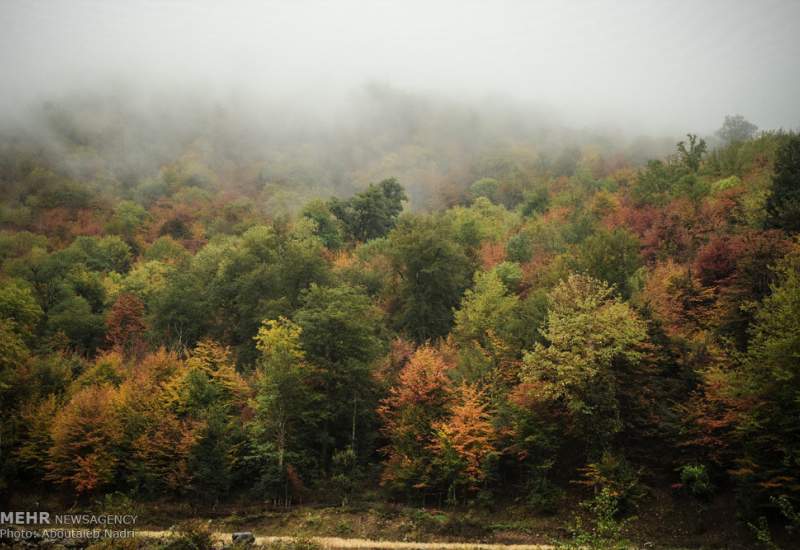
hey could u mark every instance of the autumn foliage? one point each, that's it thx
(209, 332)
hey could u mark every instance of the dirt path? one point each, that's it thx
(336, 542)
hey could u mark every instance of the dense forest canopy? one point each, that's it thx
(460, 256)
(194, 319)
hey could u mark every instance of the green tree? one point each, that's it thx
(590, 333)
(654, 182)
(434, 271)
(328, 228)
(768, 387)
(611, 256)
(485, 310)
(129, 217)
(736, 129)
(286, 409)
(485, 187)
(691, 156)
(74, 318)
(783, 204)
(101, 254)
(18, 304)
(340, 335)
(14, 355)
(371, 213)
(165, 249)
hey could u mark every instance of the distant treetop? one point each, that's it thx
(736, 128)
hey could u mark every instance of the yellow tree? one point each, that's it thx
(85, 436)
(415, 404)
(160, 441)
(464, 443)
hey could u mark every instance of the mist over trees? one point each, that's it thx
(366, 267)
(219, 323)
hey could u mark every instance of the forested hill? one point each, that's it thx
(186, 318)
(282, 156)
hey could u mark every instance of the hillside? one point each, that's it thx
(506, 323)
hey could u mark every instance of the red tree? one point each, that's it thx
(125, 326)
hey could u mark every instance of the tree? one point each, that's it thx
(162, 452)
(653, 183)
(611, 256)
(182, 312)
(14, 354)
(485, 187)
(755, 254)
(768, 389)
(157, 437)
(108, 253)
(37, 440)
(341, 336)
(328, 228)
(590, 334)
(74, 318)
(286, 409)
(206, 398)
(736, 129)
(85, 435)
(691, 156)
(409, 414)
(128, 219)
(18, 304)
(486, 310)
(371, 213)
(125, 326)
(234, 283)
(487, 329)
(216, 362)
(464, 443)
(783, 204)
(166, 249)
(676, 300)
(434, 271)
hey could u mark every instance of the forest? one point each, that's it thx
(418, 312)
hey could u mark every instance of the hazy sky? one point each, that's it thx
(667, 65)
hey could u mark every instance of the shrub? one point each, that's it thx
(466, 526)
(296, 543)
(617, 477)
(121, 544)
(605, 531)
(192, 535)
(544, 497)
(695, 480)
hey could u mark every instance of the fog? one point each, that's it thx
(644, 66)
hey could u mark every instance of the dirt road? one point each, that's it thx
(336, 542)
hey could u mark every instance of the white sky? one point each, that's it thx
(654, 66)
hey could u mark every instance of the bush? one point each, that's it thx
(192, 535)
(465, 525)
(695, 480)
(121, 544)
(605, 531)
(519, 248)
(544, 497)
(118, 503)
(296, 543)
(616, 476)
(427, 522)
